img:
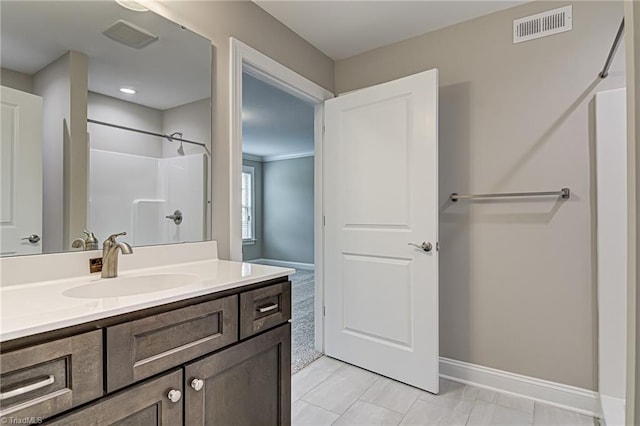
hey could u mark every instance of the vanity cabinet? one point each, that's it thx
(139, 349)
(248, 384)
(187, 362)
(262, 308)
(145, 404)
(48, 378)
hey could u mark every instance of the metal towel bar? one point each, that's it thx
(564, 193)
(612, 52)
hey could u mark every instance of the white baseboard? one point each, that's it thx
(613, 410)
(284, 263)
(571, 398)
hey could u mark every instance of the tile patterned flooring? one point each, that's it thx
(330, 392)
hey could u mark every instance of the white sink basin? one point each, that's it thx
(129, 286)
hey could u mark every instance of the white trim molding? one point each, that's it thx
(613, 410)
(278, 157)
(284, 264)
(571, 398)
(268, 158)
(252, 157)
(246, 58)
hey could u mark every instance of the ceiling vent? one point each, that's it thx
(543, 24)
(126, 33)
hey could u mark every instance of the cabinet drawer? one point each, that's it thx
(264, 308)
(145, 404)
(139, 349)
(44, 380)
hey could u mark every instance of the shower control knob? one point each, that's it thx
(174, 395)
(176, 217)
(197, 384)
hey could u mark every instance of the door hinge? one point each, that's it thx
(324, 311)
(324, 221)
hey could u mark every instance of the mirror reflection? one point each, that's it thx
(106, 127)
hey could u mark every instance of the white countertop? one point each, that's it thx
(29, 309)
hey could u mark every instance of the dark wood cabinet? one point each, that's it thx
(248, 384)
(263, 308)
(47, 379)
(219, 359)
(145, 404)
(139, 349)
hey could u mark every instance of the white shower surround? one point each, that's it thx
(611, 183)
(134, 193)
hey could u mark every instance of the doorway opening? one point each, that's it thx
(278, 197)
(307, 284)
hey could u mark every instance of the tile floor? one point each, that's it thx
(330, 392)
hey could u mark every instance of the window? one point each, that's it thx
(248, 196)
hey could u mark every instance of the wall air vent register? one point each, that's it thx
(543, 24)
(129, 34)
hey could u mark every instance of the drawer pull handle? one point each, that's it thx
(197, 384)
(174, 395)
(267, 308)
(29, 388)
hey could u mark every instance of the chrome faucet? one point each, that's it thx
(88, 243)
(110, 255)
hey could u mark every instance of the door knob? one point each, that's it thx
(425, 246)
(33, 238)
(174, 395)
(197, 384)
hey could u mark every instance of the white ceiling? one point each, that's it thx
(172, 71)
(341, 29)
(274, 123)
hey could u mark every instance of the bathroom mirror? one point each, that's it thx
(106, 126)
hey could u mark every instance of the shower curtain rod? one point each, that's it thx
(612, 52)
(160, 135)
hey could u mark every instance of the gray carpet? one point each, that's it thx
(302, 326)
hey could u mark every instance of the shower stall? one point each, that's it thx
(157, 196)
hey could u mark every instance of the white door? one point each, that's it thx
(20, 173)
(381, 171)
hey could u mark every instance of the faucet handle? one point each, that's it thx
(113, 237)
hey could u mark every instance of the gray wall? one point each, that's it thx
(288, 210)
(517, 282)
(254, 251)
(16, 80)
(113, 110)
(219, 20)
(63, 87)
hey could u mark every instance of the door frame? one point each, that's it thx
(257, 64)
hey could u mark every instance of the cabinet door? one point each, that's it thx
(247, 384)
(145, 404)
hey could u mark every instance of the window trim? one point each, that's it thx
(251, 171)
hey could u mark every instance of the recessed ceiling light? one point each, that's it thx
(128, 91)
(132, 5)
